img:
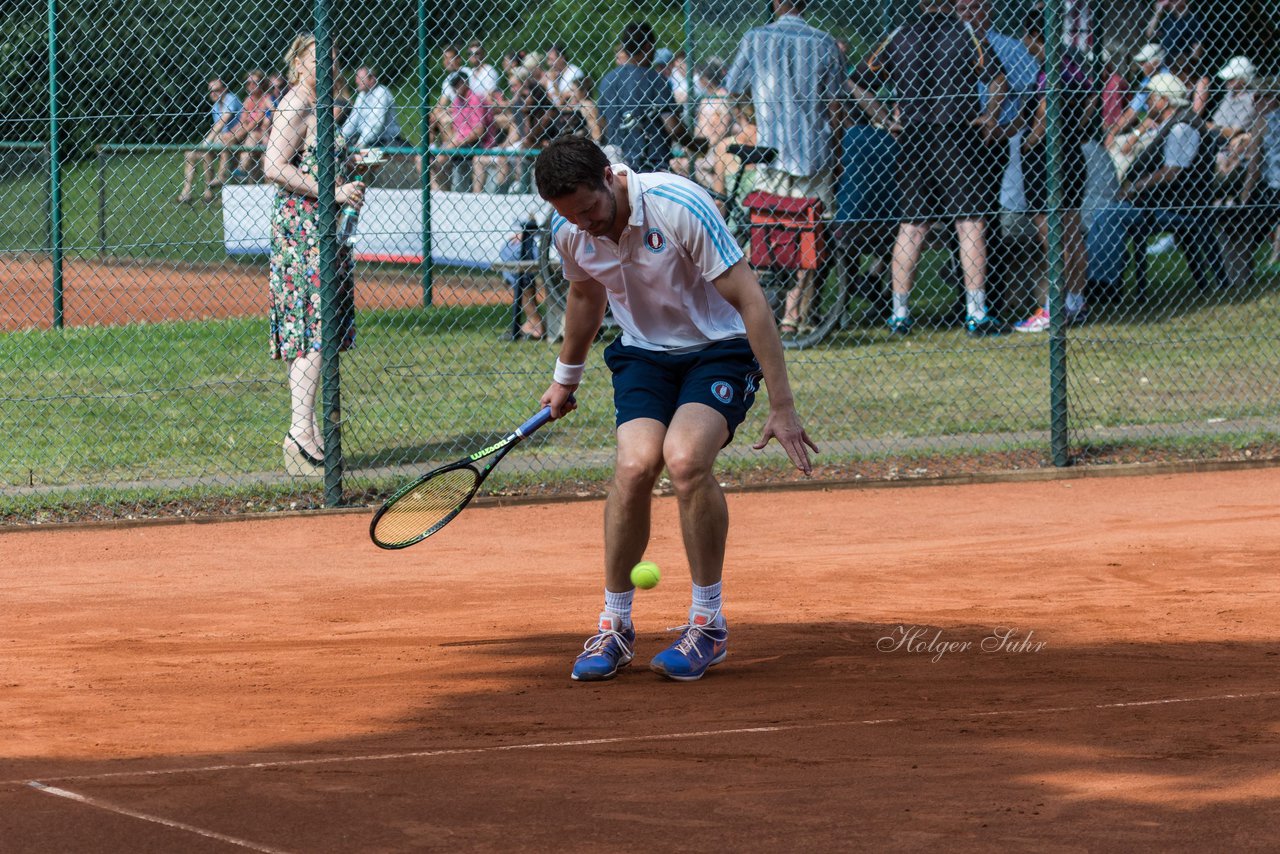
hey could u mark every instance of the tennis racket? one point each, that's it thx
(425, 506)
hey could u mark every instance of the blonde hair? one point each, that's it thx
(301, 44)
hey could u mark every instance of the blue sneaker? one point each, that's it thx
(606, 652)
(982, 327)
(900, 325)
(704, 641)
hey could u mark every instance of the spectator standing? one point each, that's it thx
(663, 59)
(224, 113)
(485, 79)
(794, 74)
(473, 124)
(277, 85)
(1177, 30)
(297, 334)
(1115, 94)
(561, 77)
(1078, 104)
(637, 106)
(1077, 28)
(934, 67)
(469, 118)
(372, 122)
(255, 121)
(580, 114)
(537, 116)
(1018, 89)
(451, 62)
(678, 74)
(1166, 188)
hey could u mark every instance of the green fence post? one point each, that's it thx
(102, 199)
(1057, 314)
(424, 152)
(47, 164)
(690, 102)
(55, 178)
(326, 175)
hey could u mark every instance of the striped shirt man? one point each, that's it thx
(794, 72)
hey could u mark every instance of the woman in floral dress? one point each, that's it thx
(296, 333)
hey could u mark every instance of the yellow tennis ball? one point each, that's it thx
(645, 574)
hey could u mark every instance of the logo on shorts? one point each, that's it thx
(722, 391)
(655, 241)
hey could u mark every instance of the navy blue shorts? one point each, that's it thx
(654, 384)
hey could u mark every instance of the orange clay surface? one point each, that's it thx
(123, 291)
(282, 685)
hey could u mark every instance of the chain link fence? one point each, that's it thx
(997, 230)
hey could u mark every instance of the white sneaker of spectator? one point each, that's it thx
(1037, 322)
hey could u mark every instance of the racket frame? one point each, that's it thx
(497, 451)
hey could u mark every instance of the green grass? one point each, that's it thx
(203, 401)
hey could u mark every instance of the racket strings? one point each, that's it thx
(425, 507)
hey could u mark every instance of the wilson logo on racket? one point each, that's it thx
(484, 452)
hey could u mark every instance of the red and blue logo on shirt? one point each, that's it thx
(654, 240)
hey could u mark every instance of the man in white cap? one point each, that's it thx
(1236, 112)
(1168, 188)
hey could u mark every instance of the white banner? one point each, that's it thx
(467, 229)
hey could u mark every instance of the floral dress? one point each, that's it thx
(295, 272)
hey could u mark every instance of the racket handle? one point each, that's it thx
(539, 419)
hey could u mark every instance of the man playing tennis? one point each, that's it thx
(697, 336)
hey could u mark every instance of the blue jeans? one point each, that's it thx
(1108, 241)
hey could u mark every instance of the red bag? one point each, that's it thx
(786, 233)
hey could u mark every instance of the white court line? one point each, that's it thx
(154, 819)
(630, 739)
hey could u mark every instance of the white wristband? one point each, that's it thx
(568, 374)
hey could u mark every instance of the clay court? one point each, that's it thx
(103, 293)
(1083, 664)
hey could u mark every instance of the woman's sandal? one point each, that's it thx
(299, 463)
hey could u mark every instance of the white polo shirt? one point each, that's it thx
(659, 274)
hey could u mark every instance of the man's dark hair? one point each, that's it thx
(638, 40)
(567, 163)
(1033, 25)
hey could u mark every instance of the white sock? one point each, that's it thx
(619, 604)
(975, 304)
(707, 598)
(900, 308)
